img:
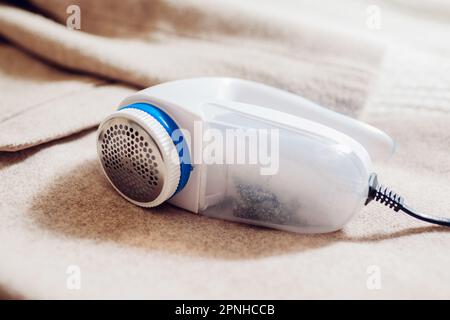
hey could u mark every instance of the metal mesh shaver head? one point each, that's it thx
(138, 157)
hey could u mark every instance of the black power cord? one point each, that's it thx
(390, 199)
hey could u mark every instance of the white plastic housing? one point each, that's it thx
(324, 161)
(319, 180)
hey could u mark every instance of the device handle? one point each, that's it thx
(379, 145)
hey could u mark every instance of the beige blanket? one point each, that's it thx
(58, 211)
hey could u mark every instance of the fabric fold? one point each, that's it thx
(40, 103)
(180, 39)
(57, 210)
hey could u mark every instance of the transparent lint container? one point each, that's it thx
(301, 176)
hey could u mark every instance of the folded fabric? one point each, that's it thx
(40, 103)
(58, 212)
(158, 41)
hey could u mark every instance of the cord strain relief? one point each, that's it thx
(389, 198)
(383, 194)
